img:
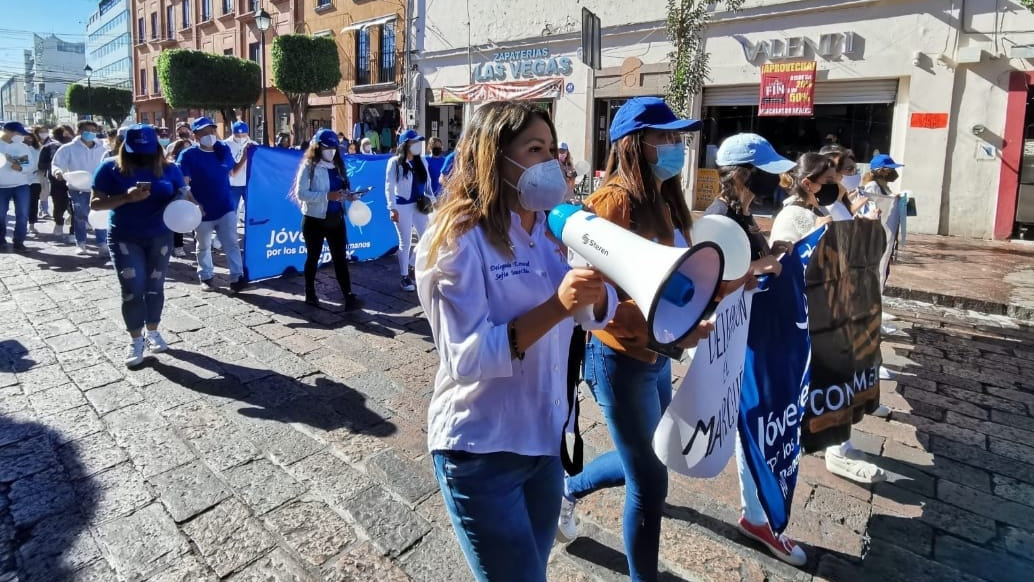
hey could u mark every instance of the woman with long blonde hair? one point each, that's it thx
(499, 296)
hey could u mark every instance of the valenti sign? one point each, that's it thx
(787, 89)
(523, 64)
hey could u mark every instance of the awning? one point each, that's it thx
(369, 23)
(512, 91)
(374, 96)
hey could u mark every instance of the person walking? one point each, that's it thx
(408, 190)
(206, 168)
(564, 157)
(36, 181)
(496, 417)
(15, 177)
(239, 145)
(61, 135)
(82, 154)
(43, 138)
(321, 187)
(136, 186)
(642, 192)
(176, 148)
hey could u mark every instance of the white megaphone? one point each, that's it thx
(673, 287)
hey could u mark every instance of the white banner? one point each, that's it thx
(697, 432)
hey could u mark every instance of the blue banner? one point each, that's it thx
(273, 241)
(776, 377)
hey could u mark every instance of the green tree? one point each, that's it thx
(303, 65)
(690, 64)
(200, 80)
(109, 103)
(1028, 4)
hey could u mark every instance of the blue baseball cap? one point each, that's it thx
(410, 135)
(883, 161)
(327, 138)
(240, 127)
(563, 146)
(647, 113)
(201, 123)
(450, 159)
(141, 138)
(15, 127)
(751, 149)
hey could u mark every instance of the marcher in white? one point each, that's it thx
(239, 176)
(15, 176)
(83, 154)
(408, 189)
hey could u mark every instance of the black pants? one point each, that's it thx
(34, 191)
(177, 240)
(59, 194)
(316, 231)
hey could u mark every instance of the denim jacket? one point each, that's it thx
(312, 192)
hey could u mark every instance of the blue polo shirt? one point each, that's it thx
(143, 219)
(209, 174)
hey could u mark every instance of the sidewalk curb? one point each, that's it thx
(956, 302)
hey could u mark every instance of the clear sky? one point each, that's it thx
(19, 19)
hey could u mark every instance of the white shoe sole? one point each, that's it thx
(878, 477)
(789, 559)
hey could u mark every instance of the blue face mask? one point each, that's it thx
(88, 136)
(670, 159)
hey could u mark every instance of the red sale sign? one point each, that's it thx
(787, 89)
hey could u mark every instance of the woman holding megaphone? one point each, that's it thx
(136, 186)
(642, 192)
(500, 296)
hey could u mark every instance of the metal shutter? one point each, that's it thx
(731, 96)
(826, 93)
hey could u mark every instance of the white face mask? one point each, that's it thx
(208, 140)
(44, 136)
(17, 138)
(241, 137)
(367, 149)
(328, 155)
(542, 186)
(416, 148)
(852, 182)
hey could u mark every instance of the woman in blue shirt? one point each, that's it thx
(136, 186)
(321, 188)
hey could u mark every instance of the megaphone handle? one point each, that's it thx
(583, 315)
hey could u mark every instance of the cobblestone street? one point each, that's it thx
(277, 441)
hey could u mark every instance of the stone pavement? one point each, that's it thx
(281, 442)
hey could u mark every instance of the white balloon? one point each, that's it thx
(182, 216)
(359, 214)
(582, 168)
(729, 237)
(79, 180)
(98, 219)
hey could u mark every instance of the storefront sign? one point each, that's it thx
(526, 64)
(828, 46)
(929, 120)
(706, 188)
(787, 89)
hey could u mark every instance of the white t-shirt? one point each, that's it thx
(238, 149)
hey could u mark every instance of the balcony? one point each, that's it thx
(380, 73)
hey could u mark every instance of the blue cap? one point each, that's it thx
(557, 218)
(750, 149)
(647, 113)
(563, 146)
(201, 123)
(880, 161)
(450, 160)
(327, 138)
(240, 127)
(410, 135)
(15, 127)
(141, 138)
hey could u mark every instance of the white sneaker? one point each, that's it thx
(179, 252)
(156, 342)
(80, 249)
(57, 229)
(32, 229)
(881, 411)
(886, 374)
(888, 329)
(889, 316)
(70, 239)
(567, 526)
(135, 353)
(853, 466)
(407, 284)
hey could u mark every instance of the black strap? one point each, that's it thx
(576, 356)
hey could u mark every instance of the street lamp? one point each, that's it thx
(262, 21)
(89, 90)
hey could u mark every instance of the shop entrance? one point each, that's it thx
(1024, 226)
(604, 110)
(446, 123)
(379, 123)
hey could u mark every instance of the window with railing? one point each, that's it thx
(170, 22)
(386, 62)
(227, 6)
(206, 10)
(186, 13)
(154, 25)
(362, 56)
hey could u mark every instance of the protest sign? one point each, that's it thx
(273, 241)
(696, 434)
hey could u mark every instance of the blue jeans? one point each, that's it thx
(20, 196)
(238, 193)
(504, 508)
(140, 265)
(633, 395)
(225, 227)
(80, 212)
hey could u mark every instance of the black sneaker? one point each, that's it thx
(208, 284)
(407, 284)
(311, 299)
(19, 247)
(238, 285)
(352, 302)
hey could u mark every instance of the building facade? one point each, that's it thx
(370, 99)
(14, 105)
(109, 45)
(941, 87)
(51, 66)
(224, 27)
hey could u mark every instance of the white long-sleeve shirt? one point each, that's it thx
(76, 156)
(9, 177)
(398, 185)
(483, 400)
(238, 150)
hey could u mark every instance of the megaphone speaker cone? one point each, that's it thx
(677, 308)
